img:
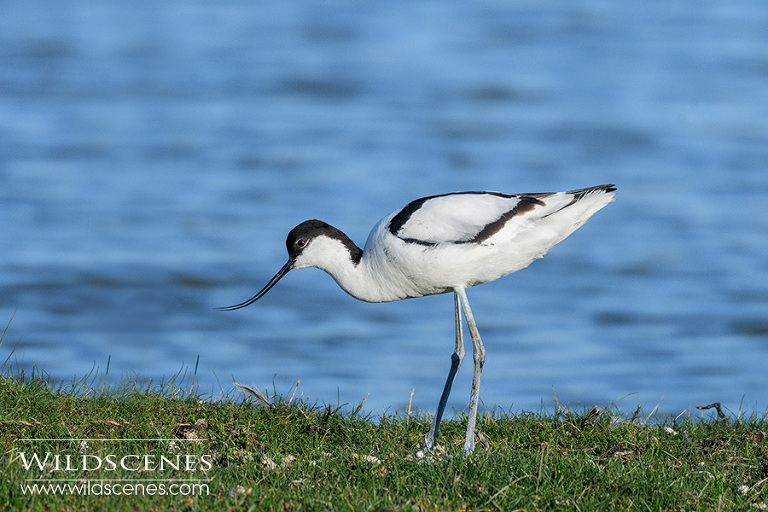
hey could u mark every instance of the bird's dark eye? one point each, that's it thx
(301, 243)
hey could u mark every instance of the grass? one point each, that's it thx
(240, 453)
(291, 455)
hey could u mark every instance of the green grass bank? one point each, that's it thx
(125, 449)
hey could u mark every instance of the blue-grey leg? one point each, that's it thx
(456, 358)
(478, 353)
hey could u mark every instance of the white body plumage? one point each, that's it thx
(437, 247)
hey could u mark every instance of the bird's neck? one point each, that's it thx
(357, 273)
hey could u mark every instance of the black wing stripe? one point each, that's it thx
(525, 204)
(408, 210)
(404, 215)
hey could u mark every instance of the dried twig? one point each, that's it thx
(408, 409)
(715, 405)
(294, 392)
(557, 402)
(360, 405)
(594, 413)
(256, 394)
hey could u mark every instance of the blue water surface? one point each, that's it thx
(154, 154)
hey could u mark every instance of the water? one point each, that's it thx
(153, 159)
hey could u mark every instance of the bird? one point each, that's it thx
(443, 244)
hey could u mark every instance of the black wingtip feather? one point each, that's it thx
(581, 192)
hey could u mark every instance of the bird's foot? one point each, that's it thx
(424, 453)
(469, 443)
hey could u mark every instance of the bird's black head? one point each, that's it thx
(303, 234)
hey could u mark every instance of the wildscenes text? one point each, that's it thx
(111, 462)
